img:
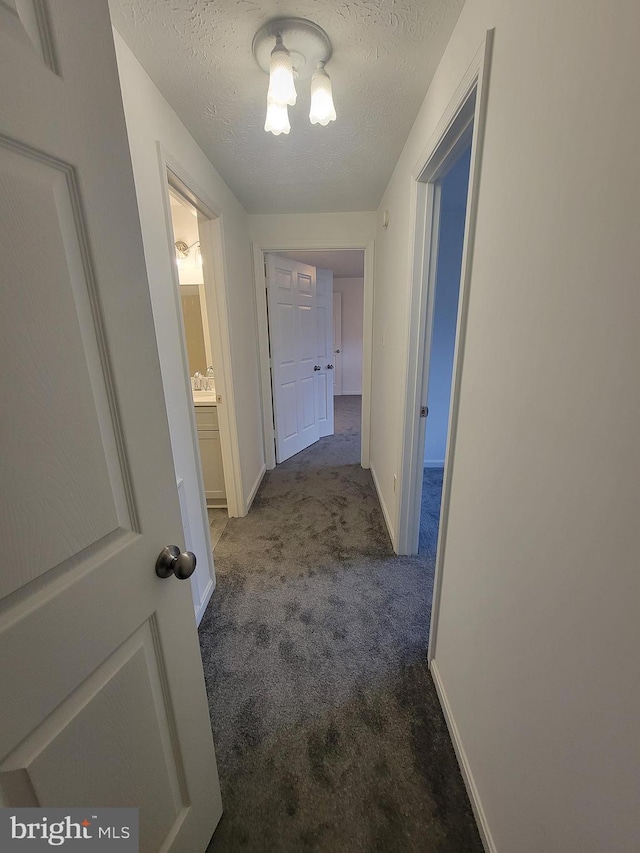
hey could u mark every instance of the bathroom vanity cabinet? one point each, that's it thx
(211, 455)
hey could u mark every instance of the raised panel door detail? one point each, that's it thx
(322, 334)
(305, 285)
(322, 397)
(307, 396)
(27, 22)
(114, 725)
(207, 417)
(307, 334)
(75, 495)
(286, 330)
(283, 279)
(289, 409)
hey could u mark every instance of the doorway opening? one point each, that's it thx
(200, 359)
(448, 244)
(195, 234)
(343, 276)
(315, 318)
(445, 206)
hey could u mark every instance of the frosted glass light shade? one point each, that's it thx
(322, 110)
(282, 89)
(277, 121)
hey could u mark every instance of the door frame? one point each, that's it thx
(464, 117)
(337, 300)
(216, 295)
(260, 249)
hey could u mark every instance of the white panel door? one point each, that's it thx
(102, 696)
(324, 325)
(337, 343)
(291, 290)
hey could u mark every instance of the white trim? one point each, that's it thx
(465, 769)
(260, 248)
(256, 486)
(190, 414)
(210, 225)
(482, 62)
(206, 598)
(367, 355)
(385, 512)
(433, 463)
(466, 109)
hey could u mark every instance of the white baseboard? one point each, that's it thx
(385, 511)
(434, 463)
(255, 487)
(204, 601)
(467, 776)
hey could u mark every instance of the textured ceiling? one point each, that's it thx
(345, 263)
(198, 52)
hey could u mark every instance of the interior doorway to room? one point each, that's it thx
(315, 303)
(200, 358)
(453, 189)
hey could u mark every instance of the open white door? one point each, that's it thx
(291, 290)
(102, 700)
(324, 325)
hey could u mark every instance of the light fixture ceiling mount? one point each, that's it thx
(290, 49)
(307, 43)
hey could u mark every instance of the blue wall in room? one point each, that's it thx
(452, 213)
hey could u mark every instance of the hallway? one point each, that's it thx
(328, 731)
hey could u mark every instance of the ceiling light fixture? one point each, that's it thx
(322, 110)
(288, 49)
(277, 120)
(282, 89)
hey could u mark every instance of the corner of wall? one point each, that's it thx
(385, 510)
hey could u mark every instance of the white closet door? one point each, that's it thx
(102, 700)
(324, 377)
(291, 288)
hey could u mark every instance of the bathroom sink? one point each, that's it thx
(204, 398)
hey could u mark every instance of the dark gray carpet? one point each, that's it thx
(328, 731)
(430, 514)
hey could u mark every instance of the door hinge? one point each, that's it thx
(424, 411)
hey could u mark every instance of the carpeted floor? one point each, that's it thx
(328, 732)
(430, 515)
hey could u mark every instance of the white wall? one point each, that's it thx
(445, 313)
(316, 230)
(149, 119)
(352, 290)
(539, 629)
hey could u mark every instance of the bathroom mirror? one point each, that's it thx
(196, 337)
